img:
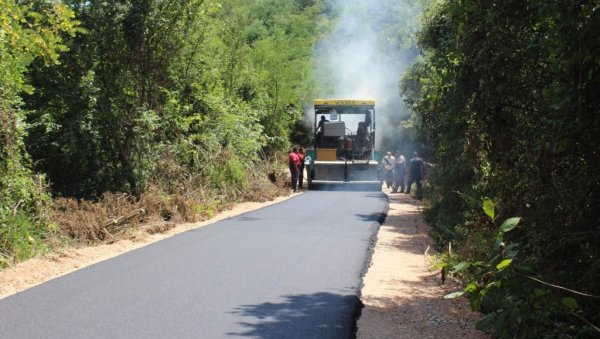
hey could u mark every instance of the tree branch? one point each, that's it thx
(585, 321)
(563, 288)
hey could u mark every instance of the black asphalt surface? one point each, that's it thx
(290, 270)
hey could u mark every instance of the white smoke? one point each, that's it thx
(366, 54)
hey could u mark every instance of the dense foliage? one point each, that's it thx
(165, 100)
(180, 97)
(506, 98)
(26, 32)
(155, 80)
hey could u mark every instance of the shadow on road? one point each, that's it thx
(374, 217)
(319, 315)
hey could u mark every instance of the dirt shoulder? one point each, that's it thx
(403, 298)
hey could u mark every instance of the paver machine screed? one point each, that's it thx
(344, 145)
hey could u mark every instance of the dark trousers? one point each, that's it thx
(301, 176)
(412, 179)
(294, 175)
(399, 181)
(389, 178)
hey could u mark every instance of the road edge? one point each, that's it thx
(41, 269)
(373, 239)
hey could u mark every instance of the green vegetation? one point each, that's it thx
(506, 102)
(178, 104)
(26, 32)
(206, 85)
(185, 107)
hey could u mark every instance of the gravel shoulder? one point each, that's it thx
(403, 298)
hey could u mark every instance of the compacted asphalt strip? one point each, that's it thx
(290, 270)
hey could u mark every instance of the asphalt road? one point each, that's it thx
(290, 270)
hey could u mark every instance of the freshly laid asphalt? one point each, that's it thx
(290, 270)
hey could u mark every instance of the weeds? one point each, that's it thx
(174, 197)
(188, 199)
(499, 284)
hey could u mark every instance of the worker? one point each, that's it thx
(322, 123)
(416, 173)
(368, 118)
(362, 135)
(399, 173)
(294, 163)
(319, 131)
(301, 156)
(388, 166)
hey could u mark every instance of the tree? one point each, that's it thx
(504, 95)
(99, 119)
(28, 30)
(154, 80)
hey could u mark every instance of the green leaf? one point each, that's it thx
(489, 208)
(569, 303)
(475, 302)
(511, 250)
(460, 266)
(499, 241)
(440, 265)
(496, 284)
(471, 287)
(509, 224)
(486, 321)
(511, 254)
(454, 295)
(503, 264)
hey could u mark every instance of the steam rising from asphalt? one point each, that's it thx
(364, 57)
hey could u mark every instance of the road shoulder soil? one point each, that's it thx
(403, 298)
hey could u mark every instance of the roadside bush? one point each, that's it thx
(24, 213)
(506, 98)
(28, 30)
(20, 237)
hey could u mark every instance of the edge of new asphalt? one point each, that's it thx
(368, 256)
(368, 260)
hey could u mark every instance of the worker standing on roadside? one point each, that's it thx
(294, 162)
(416, 172)
(301, 168)
(399, 173)
(388, 167)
